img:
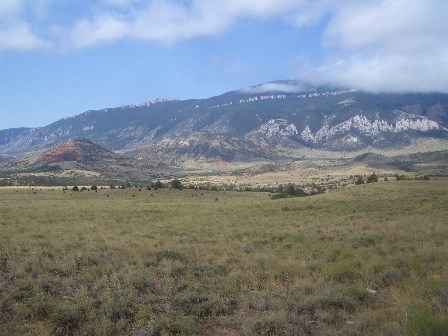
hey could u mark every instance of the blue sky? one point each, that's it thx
(62, 57)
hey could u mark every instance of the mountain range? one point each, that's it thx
(268, 121)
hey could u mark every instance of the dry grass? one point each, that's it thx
(167, 262)
(298, 172)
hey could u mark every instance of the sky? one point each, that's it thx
(59, 58)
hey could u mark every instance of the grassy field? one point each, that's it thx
(361, 260)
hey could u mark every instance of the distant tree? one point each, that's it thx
(112, 186)
(158, 185)
(176, 184)
(372, 178)
(359, 180)
(290, 189)
(94, 187)
(280, 189)
(83, 189)
(75, 188)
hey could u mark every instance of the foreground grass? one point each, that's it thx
(356, 261)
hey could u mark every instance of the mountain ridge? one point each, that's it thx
(267, 121)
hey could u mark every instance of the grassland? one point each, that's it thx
(360, 260)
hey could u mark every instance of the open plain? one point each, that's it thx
(359, 260)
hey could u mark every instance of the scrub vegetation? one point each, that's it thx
(369, 259)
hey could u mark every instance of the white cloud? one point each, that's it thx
(370, 44)
(275, 87)
(19, 36)
(311, 12)
(389, 25)
(169, 21)
(387, 73)
(103, 28)
(386, 45)
(15, 32)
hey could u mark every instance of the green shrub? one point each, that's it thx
(6, 308)
(278, 196)
(158, 185)
(365, 324)
(271, 325)
(42, 306)
(400, 177)
(391, 277)
(176, 325)
(143, 282)
(343, 271)
(194, 302)
(421, 321)
(85, 261)
(119, 306)
(69, 319)
(365, 240)
(176, 184)
(340, 297)
(170, 255)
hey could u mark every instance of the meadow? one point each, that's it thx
(360, 260)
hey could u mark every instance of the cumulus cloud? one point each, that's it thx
(15, 32)
(169, 21)
(386, 45)
(388, 25)
(387, 73)
(374, 45)
(370, 44)
(103, 28)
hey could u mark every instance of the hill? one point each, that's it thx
(77, 157)
(432, 163)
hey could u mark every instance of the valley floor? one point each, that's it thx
(361, 260)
